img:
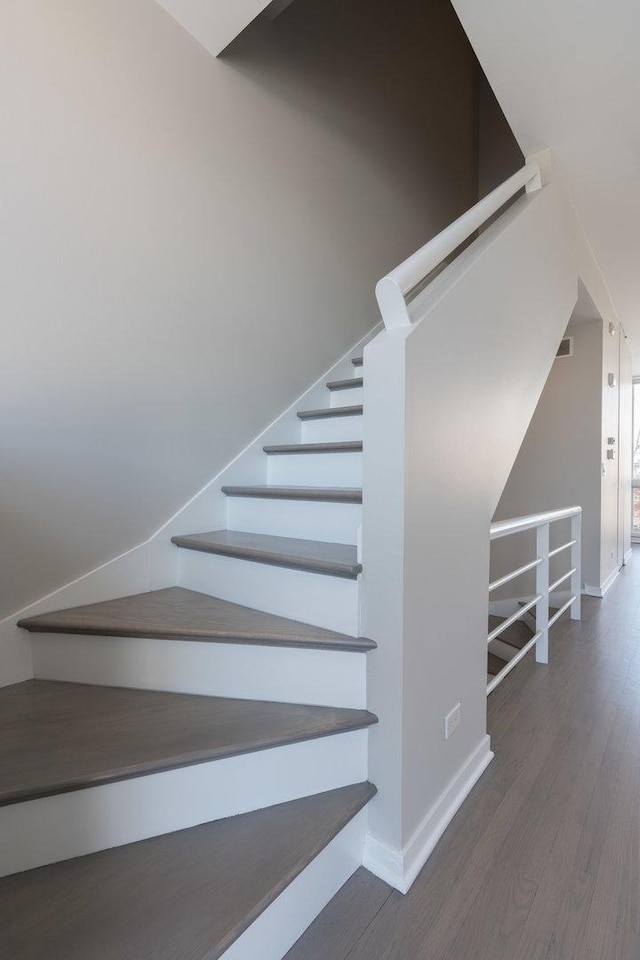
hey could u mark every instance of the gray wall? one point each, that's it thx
(188, 242)
(498, 152)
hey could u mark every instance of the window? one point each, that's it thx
(635, 523)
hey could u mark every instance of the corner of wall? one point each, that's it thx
(400, 868)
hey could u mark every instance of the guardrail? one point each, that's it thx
(540, 522)
(392, 291)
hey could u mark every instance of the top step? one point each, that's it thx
(179, 614)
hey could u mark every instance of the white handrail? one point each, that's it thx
(540, 522)
(392, 289)
(503, 528)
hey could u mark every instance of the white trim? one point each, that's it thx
(589, 591)
(603, 588)
(628, 557)
(399, 868)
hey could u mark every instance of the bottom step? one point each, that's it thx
(196, 894)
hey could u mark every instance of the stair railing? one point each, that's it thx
(540, 522)
(393, 290)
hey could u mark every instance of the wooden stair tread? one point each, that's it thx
(357, 361)
(178, 614)
(188, 894)
(517, 635)
(349, 384)
(495, 664)
(58, 737)
(340, 446)
(354, 410)
(315, 556)
(273, 492)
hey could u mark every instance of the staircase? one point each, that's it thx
(186, 777)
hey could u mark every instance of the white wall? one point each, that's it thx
(563, 461)
(558, 464)
(566, 77)
(188, 242)
(625, 450)
(610, 492)
(450, 399)
(214, 25)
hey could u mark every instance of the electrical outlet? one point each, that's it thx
(452, 721)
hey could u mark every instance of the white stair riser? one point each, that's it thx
(329, 522)
(73, 824)
(319, 677)
(276, 930)
(330, 429)
(330, 602)
(316, 469)
(344, 398)
(503, 650)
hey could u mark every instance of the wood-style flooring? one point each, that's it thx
(542, 862)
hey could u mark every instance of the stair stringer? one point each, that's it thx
(154, 563)
(448, 402)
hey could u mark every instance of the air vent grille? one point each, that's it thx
(566, 348)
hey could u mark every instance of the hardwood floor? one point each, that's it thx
(542, 862)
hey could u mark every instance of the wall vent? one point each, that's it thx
(566, 348)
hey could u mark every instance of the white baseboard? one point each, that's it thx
(628, 557)
(399, 868)
(604, 587)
